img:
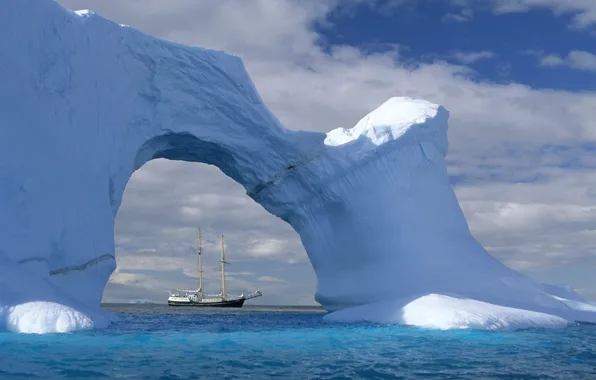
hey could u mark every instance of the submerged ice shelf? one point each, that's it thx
(85, 102)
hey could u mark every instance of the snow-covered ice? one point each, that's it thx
(84, 102)
(44, 317)
(443, 312)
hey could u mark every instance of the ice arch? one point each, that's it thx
(85, 102)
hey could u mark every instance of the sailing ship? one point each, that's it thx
(180, 297)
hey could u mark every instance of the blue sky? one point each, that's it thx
(426, 31)
(518, 77)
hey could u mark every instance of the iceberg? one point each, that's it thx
(85, 102)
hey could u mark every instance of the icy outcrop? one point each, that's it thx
(443, 312)
(85, 102)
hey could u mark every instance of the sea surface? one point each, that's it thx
(156, 342)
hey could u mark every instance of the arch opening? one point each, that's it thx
(164, 203)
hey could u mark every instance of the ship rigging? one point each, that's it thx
(180, 297)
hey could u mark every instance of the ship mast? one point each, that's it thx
(200, 265)
(223, 274)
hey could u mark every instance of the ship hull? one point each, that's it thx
(228, 303)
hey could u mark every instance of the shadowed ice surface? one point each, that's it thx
(157, 342)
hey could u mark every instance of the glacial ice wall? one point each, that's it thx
(85, 102)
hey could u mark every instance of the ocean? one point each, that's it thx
(261, 342)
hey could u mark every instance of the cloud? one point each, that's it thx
(472, 57)
(552, 60)
(462, 15)
(267, 248)
(499, 135)
(535, 225)
(588, 293)
(270, 279)
(583, 11)
(576, 59)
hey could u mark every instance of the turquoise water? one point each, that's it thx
(157, 342)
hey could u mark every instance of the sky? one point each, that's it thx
(519, 80)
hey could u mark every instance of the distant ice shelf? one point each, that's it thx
(85, 102)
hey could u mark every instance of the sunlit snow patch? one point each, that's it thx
(44, 317)
(442, 312)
